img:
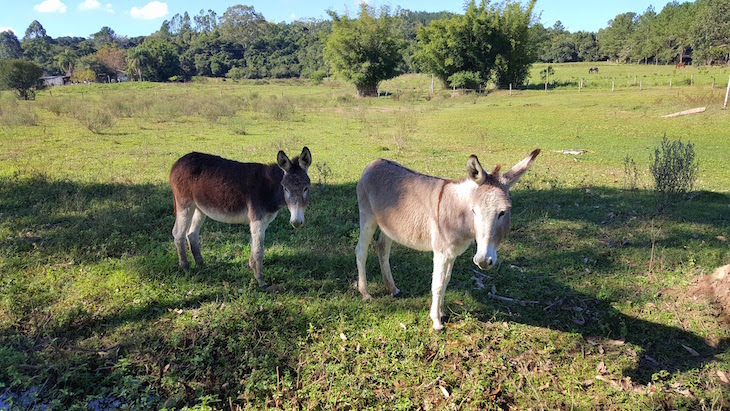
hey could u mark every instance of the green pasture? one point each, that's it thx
(598, 309)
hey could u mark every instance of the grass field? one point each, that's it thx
(95, 314)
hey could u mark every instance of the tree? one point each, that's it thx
(37, 45)
(493, 41)
(10, 46)
(104, 37)
(114, 58)
(162, 60)
(136, 60)
(66, 60)
(615, 40)
(366, 50)
(242, 24)
(206, 22)
(22, 76)
(710, 32)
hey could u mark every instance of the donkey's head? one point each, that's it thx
(296, 184)
(491, 206)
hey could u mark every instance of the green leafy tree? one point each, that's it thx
(22, 76)
(162, 59)
(136, 60)
(494, 41)
(366, 50)
(37, 46)
(710, 32)
(10, 46)
(66, 60)
(242, 25)
(614, 41)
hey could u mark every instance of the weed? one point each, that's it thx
(631, 173)
(12, 114)
(324, 172)
(95, 118)
(674, 170)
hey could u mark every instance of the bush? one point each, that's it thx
(12, 114)
(674, 170)
(96, 119)
(464, 79)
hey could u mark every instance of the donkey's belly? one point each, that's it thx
(238, 217)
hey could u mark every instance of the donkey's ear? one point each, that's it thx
(305, 159)
(475, 171)
(510, 178)
(283, 161)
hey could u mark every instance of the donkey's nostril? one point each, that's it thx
(490, 261)
(296, 223)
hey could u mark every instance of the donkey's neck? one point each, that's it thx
(453, 209)
(274, 174)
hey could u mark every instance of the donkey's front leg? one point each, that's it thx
(256, 261)
(442, 265)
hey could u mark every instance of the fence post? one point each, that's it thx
(510, 89)
(670, 84)
(613, 83)
(547, 78)
(726, 93)
(713, 83)
(640, 85)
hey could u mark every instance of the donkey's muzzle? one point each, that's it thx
(484, 264)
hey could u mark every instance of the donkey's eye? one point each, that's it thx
(306, 190)
(501, 214)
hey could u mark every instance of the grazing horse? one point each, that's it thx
(593, 69)
(236, 193)
(433, 214)
(679, 65)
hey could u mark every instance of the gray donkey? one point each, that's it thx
(434, 214)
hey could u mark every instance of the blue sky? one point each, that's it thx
(142, 17)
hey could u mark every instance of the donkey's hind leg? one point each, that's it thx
(193, 235)
(367, 230)
(183, 217)
(383, 247)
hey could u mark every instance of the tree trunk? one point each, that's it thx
(367, 89)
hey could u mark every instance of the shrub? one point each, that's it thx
(464, 79)
(96, 119)
(12, 114)
(674, 169)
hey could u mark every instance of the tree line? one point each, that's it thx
(488, 43)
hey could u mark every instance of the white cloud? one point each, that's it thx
(95, 5)
(3, 28)
(90, 5)
(153, 10)
(50, 6)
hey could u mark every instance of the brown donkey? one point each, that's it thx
(236, 193)
(434, 214)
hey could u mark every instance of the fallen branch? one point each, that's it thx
(685, 112)
(493, 294)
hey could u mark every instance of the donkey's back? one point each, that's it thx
(226, 190)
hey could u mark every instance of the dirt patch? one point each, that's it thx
(716, 287)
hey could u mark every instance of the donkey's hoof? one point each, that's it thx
(398, 294)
